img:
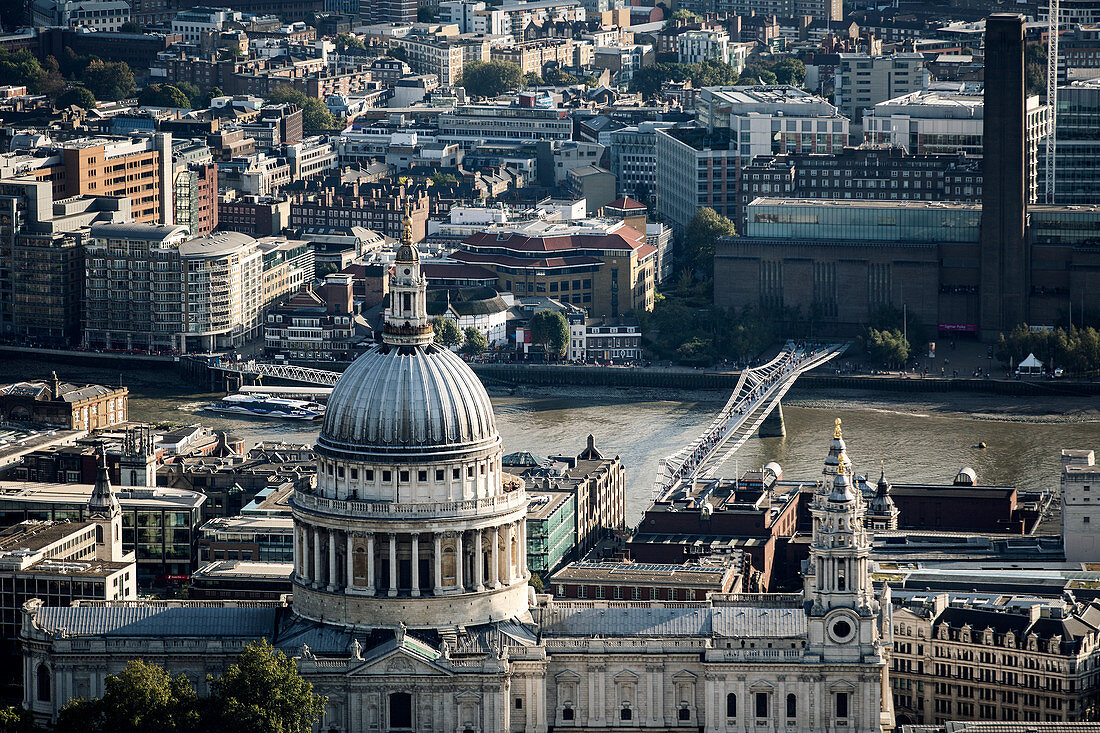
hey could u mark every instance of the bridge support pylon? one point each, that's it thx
(773, 426)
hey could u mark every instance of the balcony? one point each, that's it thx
(391, 510)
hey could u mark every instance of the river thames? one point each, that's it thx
(923, 439)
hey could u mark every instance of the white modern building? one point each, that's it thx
(863, 80)
(191, 24)
(470, 124)
(97, 15)
(711, 44)
(948, 118)
(1080, 508)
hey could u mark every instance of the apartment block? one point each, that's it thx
(863, 80)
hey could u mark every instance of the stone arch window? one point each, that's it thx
(625, 713)
(401, 710)
(567, 712)
(684, 713)
(731, 705)
(42, 682)
(792, 706)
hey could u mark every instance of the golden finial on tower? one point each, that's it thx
(406, 226)
(836, 432)
(840, 468)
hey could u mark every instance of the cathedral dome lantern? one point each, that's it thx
(838, 452)
(410, 500)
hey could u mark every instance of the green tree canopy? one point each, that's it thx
(163, 95)
(315, 115)
(264, 693)
(557, 77)
(550, 329)
(531, 79)
(344, 41)
(701, 234)
(1076, 350)
(130, 27)
(21, 67)
(490, 78)
(475, 342)
(17, 720)
(446, 332)
(712, 72)
(684, 15)
(111, 80)
(887, 347)
(79, 96)
(143, 698)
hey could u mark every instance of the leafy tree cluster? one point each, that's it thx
(262, 692)
(683, 15)
(712, 72)
(887, 347)
(1076, 350)
(75, 96)
(130, 27)
(315, 115)
(1035, 68)
(490, 78)
(700, 237)
(446, 332)
(21, 67)
(163, 95)
(686, 328)
(108, 80)
(550, 329)
(345, 41)
(475, 342)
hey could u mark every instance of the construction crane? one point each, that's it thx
(1053, 26)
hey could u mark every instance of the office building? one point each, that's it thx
(603, 266)
(551, 530)
(173, 292)
(103, 16)
(861, 173)
(61, 404)
(861, 80)
(160, 525)
(949, 118)
(971, 656)
(820, 10)
(138, 167)
(1080, 476)
(1078, 135)
(633, 154)
(470, 124)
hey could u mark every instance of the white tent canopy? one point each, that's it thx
(1030, 365)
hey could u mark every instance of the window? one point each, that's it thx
(1087, 520)
(369, 474)
(842, 704)
(567, 714)
(469, 471)
(683, 714)
(422, 476)
(626, 714)
(439, 474)
(455, 474)
(761, 704)
(792, 706)
(400, 710)
(519, 703)
(355, 474)
(731, 705)
(387, 476)
(43, 681)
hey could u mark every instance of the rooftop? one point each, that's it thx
(31, 492)
(244, 570)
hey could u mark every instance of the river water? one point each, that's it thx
(927, 438)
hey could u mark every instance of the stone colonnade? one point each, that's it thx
(381, 563)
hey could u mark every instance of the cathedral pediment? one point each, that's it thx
(408, 657)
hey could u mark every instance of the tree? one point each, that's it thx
(682, 15)
(345, 41)
(108, 80)
(21, 67)
(475, 342)
(163, 95)
(550, 329)
(78, 96)
(399, 53)
(531, 79)
(702, 232)
(559, 78)
(887, 347)
(315, 115)
(263, 692)
(17, 720)
(143, 698)
(490, 78)
(130, 27)
(446, 332)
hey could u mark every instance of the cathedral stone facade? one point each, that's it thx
(411, 609)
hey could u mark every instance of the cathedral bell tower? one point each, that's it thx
(840, 600)
(407, 321)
